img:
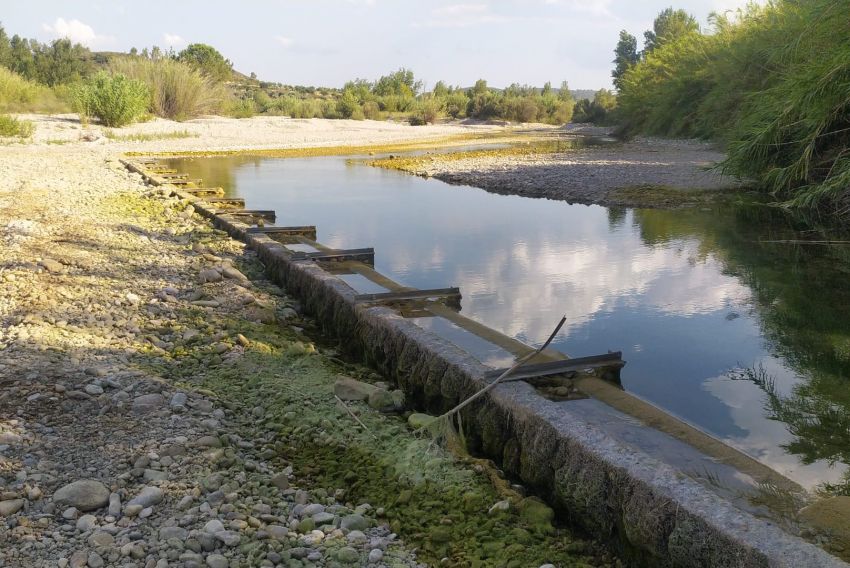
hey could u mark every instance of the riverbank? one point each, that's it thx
(644, 172)
(164, 404)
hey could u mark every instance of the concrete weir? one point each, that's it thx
(589, 461)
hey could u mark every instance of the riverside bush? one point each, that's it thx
(11, 126)
(115, 100)
(773, 83)
(177, 90)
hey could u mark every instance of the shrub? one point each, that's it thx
(115, 100)
(242, 108)
(178, 91)
(371, 110)
(11, 126)
(207, 60)
(15, 90)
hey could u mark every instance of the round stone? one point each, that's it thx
(85, 495)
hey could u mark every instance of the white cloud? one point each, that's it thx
(78, 32)
(589, 7)
(461, 16)
(173, 40)
(284, 41)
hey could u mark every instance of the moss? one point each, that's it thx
(659, 196)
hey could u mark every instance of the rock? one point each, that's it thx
(214, 526)
(10, 439)
(277, 532)
(132, 510)
(86, 523)
(499, 506)
(147, 403)
(173, 532)
(93, 390)
(376, 555)
(100, 539)
(208, 442)
(348, 555)
(350, 389)
(146, 512)
(11, 507)
(382, 400)
(418, 420)
(354, 523)
(536, 513)
(217, 561)
(94, 560)
(154, 475)
(147, 497)
(133, 298)
(178, 401)
(209, 275)
(70, 513)
(85, 495)
(281, 481)
(79, 559)
(114, 504)
(229, 538)
(51, 265)
(233, 274)
(323, 518)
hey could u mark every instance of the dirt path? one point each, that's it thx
(163, 404)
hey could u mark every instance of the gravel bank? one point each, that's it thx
(608, 175)
(161, 403)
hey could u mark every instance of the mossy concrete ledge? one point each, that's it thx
(652, 513)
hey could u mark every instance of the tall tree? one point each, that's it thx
(668, 26)
(625, 56)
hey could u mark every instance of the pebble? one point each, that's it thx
(86, 523)
(148, 496)
(376, 555)
(11, 507)
(217, 561)
(94, 390)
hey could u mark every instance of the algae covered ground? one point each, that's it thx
(443, 505)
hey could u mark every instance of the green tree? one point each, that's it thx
(61, 62)
(564, 93)
(402, 83)
(21, 57)
(625, 57)
(670, 25)
(207, 60)
(5, 48)
(441, 90)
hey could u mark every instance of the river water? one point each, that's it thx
(746, 339)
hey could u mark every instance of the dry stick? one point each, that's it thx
(520, 362)
(345, 406)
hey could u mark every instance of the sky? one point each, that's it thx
(327, 42)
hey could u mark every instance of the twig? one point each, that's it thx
(520, 362)
(351, 413)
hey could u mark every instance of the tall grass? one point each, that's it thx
(773, 83)
(178, 91)
(21, 95)
(15, 127)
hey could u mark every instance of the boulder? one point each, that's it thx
(350, 389)
(84, 495)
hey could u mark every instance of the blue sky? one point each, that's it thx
(326, 42)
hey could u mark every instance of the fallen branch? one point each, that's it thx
(520, 362)
(351, 413)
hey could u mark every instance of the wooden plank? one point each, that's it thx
(162, 172)
(308, 231)
(365, 255)
(226, 201)
(267, 214)
(449, 294)
(199, 191)
(174, 176)
(550, 368)
(185, 181)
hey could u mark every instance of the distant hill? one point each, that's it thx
(579, 94)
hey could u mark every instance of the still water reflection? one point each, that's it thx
(749, 341)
